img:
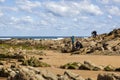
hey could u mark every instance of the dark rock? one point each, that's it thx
(110, 76)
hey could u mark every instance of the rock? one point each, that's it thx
(87, 66)
(117, 69)
(89, 49)
(98, 68)
(105, 77)
(89, 79)
(20, 76)
(4, 72)
(19, 55)
(48, 75)
(39, 77)
(12, 74)
(1, 63)
(34, 62)
(41, 53)
(72, 65)
(75, 52)
(67, 47)
(71, 76)
(110, 76)
(109, 68)
(53, 47)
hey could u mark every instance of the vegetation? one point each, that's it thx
(34, 62)
(72, 65)
(23, 46)
(109, 68)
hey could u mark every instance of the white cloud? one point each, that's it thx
(43, 22)
(21, 20)
(61, 9)
(109, 16)
(105, 1)
(2, 0)
(9, 8)
(27, 19)
(72, 8)
(114, 10)
(116, 0)
(1, 13)
(28, 5)
(22, 23)
(91, 8)
(109, 1)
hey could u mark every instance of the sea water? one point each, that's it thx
(39, 37)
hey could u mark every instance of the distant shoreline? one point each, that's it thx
(39, 37)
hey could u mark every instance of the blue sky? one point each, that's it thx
(58, 17)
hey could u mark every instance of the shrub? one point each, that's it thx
(72, 65)
(34, 62)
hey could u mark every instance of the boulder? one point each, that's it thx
(117, 69)
(72, 76)
(72, 65)
(87, 66)
(109, 68)
(98, 68)
(110, 76)
(48, 75)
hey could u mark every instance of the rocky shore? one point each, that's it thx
(20, 59)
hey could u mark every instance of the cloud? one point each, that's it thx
(91, 8)
(116, 1)
(53, 17)
(72, 8)
(10, 8)
(2, 0)
(109, 16)
(22, 19)
(105, 1)
(22, 23)
(109, 1)
(114, 10)
(1, 13)
(61, 9)
(27, 5)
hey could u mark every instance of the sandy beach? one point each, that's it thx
(101, 54)
(56, 59)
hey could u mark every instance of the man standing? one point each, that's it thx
(94, 34)
(73, 40)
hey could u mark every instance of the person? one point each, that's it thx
(94, 34)
(78, 45)
(73, 40)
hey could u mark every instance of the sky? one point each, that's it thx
(58, 17)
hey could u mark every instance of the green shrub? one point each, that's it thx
(109, 68)
(73, 65)
(35, 63)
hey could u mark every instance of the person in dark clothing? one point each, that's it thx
(78, 45)
(73, 40)
(94, 34)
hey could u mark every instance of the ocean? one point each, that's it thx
(39, 37)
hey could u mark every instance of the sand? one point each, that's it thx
(56, 59)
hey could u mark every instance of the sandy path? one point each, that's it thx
(57, 59)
